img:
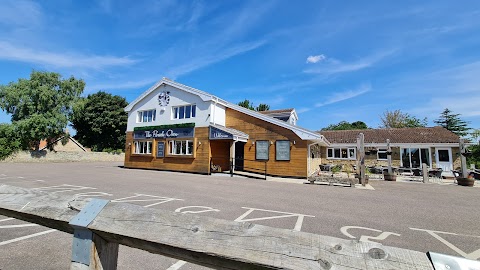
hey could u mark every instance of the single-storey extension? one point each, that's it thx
(435, 146)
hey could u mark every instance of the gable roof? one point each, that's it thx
(303, 133)
(424, 135)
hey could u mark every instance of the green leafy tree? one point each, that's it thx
(399, 119)
(9, 141)
(344, 125)
(452, 122)
(246, 104)
(100, 121)
(40, 105)
(262, 107)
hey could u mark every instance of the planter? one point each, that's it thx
(390, 177)
(467, 182)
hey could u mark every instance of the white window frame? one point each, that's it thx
(181, 151)
(384, 151)
(350, 156)
(143, 147)
(141, 114)
(176, 112)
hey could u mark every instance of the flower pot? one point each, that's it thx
(467, 182)
(390, 177)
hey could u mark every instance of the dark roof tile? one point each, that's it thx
(396, 135)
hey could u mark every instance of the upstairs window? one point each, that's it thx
(184, 112)
(146, 116)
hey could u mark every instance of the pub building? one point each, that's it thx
(175, 127)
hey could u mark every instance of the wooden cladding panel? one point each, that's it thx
(260, 130)
(199, 163)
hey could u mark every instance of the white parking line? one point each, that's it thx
(18, 226)
(25, 237)
(177, 265)
(6, 219)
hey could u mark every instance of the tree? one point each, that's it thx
(9, 141)
(40, 105)
(344, 125)
(452, 122)
(399, 119)
(246, 104)
(262, 107)
(100, 121)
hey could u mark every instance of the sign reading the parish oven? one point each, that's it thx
(164, 133)
(282, 150)
(217, 134)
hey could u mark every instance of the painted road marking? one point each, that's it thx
(365, 238)
(151, 198)
(472, 256)
(177, 265)
(92, 194)
(25, 237)
(298, 224)
(18, 226)
(6, 219)
(206, 209)
(62, 188)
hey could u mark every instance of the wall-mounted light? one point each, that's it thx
(271, 142)
(199, 142)
(129, 144)
(294, 142)
(253, 142)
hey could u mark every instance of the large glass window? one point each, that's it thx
(341, 153)
(143, 147)
(414, 157)
(181, 147)
(184, 112)
(146, 116)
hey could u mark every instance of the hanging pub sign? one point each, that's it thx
(217, 134)
(164, 133)
(160, 149)
(282, 150)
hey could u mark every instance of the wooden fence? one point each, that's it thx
(214, 243)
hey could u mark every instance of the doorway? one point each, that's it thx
(444, 158)
(239, 155)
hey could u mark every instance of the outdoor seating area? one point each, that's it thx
(376, 172)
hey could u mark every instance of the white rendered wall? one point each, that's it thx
(177, 98)
(218, 112)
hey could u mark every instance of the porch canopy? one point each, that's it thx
(217, 132)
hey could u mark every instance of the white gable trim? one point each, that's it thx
(304, 134)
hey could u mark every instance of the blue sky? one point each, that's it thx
(331, 60)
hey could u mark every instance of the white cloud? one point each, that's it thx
(20, 13)
(334, 66)
(120, 85)
(72, 60)
(212, 58)
(341, 96)
(315, 58)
